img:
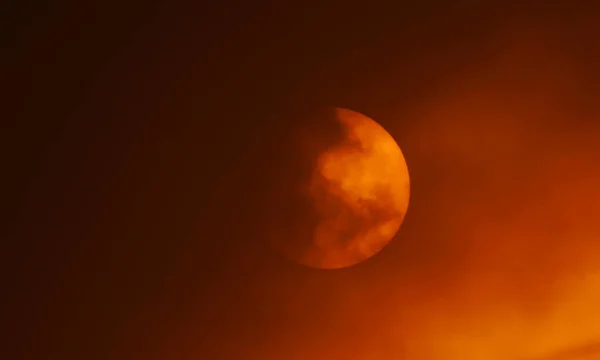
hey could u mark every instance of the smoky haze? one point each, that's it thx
(499, 256)
(161, 161)
(289, 218)
(513, 143)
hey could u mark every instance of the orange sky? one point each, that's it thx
(149, 162)
(499, 254)
(505, 227)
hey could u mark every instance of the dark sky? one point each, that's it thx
(141, 141)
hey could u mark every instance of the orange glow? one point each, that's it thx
(360, 190)
(500, 256)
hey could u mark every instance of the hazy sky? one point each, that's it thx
(143, 140)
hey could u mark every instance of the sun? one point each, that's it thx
(360, 190)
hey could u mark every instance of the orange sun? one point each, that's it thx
(360, 190)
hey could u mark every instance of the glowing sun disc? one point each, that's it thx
(360, 190)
